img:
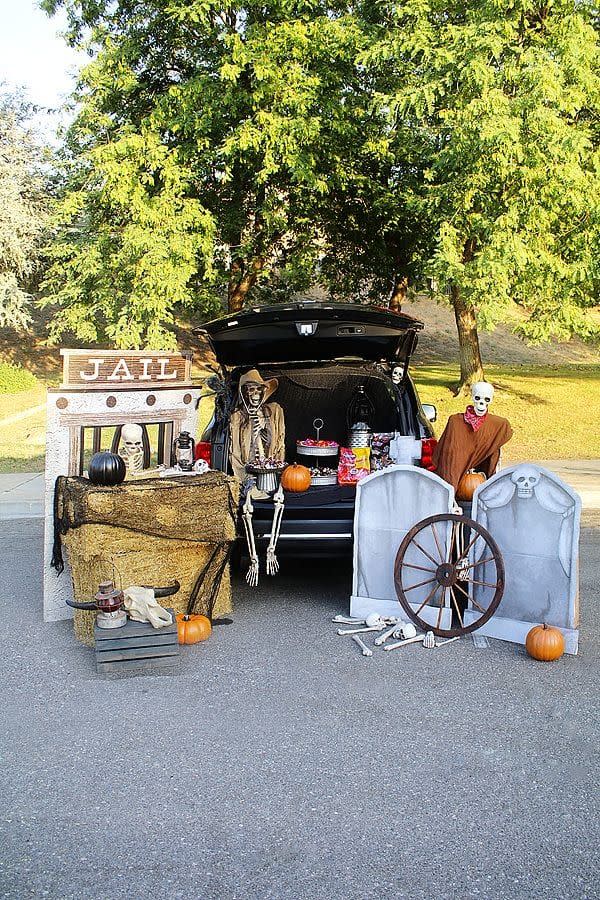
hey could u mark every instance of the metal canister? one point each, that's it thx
(360, 436)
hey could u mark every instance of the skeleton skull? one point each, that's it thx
(482, 393)
(133, 449)
(253, 394)
(525, 479)
(397, 374)
(142, 607)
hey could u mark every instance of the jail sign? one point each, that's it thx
(125, 369)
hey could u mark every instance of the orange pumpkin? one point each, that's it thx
(545, 642)
(295, 478)
(468, 484)
(192, 629)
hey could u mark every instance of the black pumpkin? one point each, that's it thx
(106, 468)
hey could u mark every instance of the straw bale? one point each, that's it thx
(194, 508)
(100, 552)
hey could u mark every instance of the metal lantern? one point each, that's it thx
(360, 409)
(109, 603)
(184, 451)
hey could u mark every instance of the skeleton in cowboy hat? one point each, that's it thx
(257, 431)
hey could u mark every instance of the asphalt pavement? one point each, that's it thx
(281, 763)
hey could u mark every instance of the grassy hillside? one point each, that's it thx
(550, 394)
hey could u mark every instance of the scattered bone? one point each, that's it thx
(414, 640)
(382, 638)
(365, 650)
(406, 630)
(360, 630)
(449, 641)
(429, 641)
(374, 620)
(347, 620)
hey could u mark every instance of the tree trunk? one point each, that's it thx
(471, 367)
(398, 293)
(240, 283)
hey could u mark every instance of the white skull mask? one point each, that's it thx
(525, 478)
(482, 393)
(397, 374)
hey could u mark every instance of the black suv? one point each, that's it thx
(320, 353)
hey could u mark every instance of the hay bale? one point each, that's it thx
(152, 532)
(99, 552)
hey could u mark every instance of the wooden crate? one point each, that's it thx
(137, 649)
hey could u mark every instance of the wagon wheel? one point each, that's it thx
(468, 570)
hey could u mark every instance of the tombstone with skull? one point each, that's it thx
(534, 518)
(473, 439)
(132, 448)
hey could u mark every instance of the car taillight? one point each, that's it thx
(428, 445)
(203, 451)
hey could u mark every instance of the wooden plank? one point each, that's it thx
(137, 653)
(134, 630)
(125, 369)
(152, 640)
(164, 665)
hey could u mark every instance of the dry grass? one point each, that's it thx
(554, 410)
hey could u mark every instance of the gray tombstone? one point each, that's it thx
(388, 504)
(534, 518)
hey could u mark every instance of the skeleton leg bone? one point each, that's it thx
(252, 573)
(278, 501)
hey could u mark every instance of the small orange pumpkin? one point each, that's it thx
(193, 628)
(545, 642)
(468, 484)
(295, 478)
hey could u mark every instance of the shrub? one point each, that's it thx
(14, 379)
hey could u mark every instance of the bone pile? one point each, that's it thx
(386, 627)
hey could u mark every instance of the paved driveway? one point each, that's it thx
(283, 764)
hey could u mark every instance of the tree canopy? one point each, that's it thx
(504, 100)
(23, 209)
(220, 150)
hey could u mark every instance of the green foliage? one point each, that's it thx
(207, 140)
(14, 379)
(23, 209)
(502, 100)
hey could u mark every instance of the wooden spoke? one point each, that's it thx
(406, 565)
(457, 608)
(420, 584)
(466, 550)
(480, 562)
(427, 598)
(437, 543)
(483, 583)
(428, 555)
(442, 598)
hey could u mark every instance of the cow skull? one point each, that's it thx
(142, 606)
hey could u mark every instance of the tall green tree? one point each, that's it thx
(503, 99)
(24, 202)
(207, 138)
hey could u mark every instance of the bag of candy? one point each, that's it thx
(353, 465)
